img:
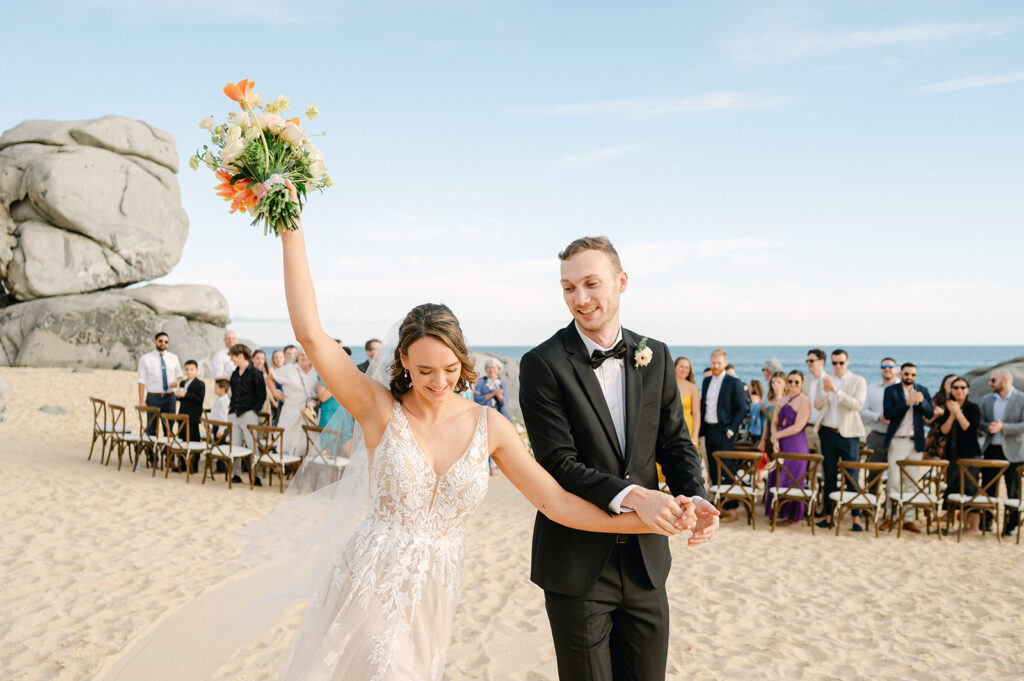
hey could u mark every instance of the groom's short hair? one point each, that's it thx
(593, 243)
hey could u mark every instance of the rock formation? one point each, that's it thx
(87, 208)
(3, 400)
(978, 378)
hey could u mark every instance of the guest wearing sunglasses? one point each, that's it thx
(1002, 423)
(840, 400)
(960, 426)
(907, 405)
(788, 425)
(871, 414)
(812, 386)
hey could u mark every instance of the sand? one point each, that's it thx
(92, 557)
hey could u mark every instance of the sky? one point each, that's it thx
(822, 172)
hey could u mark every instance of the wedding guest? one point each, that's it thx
(906, 405)
(329, 407)
(221, 404)
(273, 387)
(812, 386)
(769, 367)
(290, 351)
(935, 441)
(158, 373)
(191, 394)
(689, 394)
(298, 390)
(731, 370)
(248, 393)
(872, 414)
(789, 424)
(1002, 424)
(723, 407)
(840, 398)
(491, 390)
(221, 364)
(707, 372)
(776, 398)
(960, 425)
(372, 347)
(755, 427)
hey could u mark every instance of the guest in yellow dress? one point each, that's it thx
(690, 395)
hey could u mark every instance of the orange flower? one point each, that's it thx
(293, 120)
(240, 196)
(240, 92)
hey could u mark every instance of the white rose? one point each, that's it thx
(643, 357)
(293, 135)
(282, 103)
(232, 151)
(234, 133)
(207, 123)
(236, 118)
(317, 168)
(271, 122)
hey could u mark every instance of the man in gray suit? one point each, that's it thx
(1002, 423)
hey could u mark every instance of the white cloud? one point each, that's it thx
(971, 83)
(596, 156)
(644, 109)
(782, 47)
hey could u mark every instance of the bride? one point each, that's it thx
(385, 609)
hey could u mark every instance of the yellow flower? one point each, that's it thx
(312, 112)
(193, 162)
(278, 105)
(207, 123)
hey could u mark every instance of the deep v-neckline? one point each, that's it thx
(423, 453)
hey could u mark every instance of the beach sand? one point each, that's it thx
(91, 557)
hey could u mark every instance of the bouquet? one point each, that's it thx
(258, 156)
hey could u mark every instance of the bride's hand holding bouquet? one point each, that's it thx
(260, 158)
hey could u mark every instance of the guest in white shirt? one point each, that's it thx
(812, 386)
(221, 363)
(219, 410)
(158, 374)
(840, 400)
(872, 414)
(298, 390)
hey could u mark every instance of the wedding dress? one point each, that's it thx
(387, 604)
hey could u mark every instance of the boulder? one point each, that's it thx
(198, 303)
(104, 330)
(86, 206)
(978, 378)
(3, 400)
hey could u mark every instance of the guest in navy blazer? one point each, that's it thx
(723, 405)
(906, 404)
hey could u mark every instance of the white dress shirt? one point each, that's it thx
(711, 399)
(873, 408)
(612, 377)
(219, 411)
(221, 364)
(151, 375)
(906, 427)
(999, 413)
(813, 386)
(830, 417)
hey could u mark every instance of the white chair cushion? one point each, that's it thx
(112, 429)
(1013, 503)
(731, 489)
(127, 437)
(916, 497)
(287, 460)
(957, 498)
(846, 496)
(792, 493)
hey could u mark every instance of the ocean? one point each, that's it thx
(933, 361)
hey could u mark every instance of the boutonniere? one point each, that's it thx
(643, 355)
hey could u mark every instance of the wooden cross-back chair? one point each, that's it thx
(1018, 503)
(795, 489)
(325, 449)
(268, 454)
(121, 436)
(179, 447)
(99, 426)
(864, 497)
(739, 470)
(150, 445)
(920, 488)
(219, 449)
(986, 498)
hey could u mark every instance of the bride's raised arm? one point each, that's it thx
(365, 399)
(551, 499)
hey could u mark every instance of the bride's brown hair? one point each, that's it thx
(436, 321)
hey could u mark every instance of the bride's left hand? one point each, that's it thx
(688, 520)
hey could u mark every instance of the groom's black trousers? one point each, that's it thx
(618, 630)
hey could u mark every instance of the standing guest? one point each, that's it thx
(812, 386)
(491, 390)
(690, 396)
(723, 406)
(159, 372)
(221, 363)
(788, 435)
(221, 404)
(776, 398)
(872, 413)
(298, 390)
(935, 442)
(191, 395)
(960, 426)
(372, 347)
(259, 360)
(906, 405)
(248, 393)
(273, 387)
(840, 399)
(755, 427)
(290, 351)
(1002, 424)
(769, 367)
(706, 372)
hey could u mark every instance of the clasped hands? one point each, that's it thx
(667, 515)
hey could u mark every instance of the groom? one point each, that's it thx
(601, 408)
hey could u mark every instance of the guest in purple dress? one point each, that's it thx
(788, 437)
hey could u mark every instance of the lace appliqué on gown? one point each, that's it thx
(395, 585)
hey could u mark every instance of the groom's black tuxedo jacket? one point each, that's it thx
(571, 430)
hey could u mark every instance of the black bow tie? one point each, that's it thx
(599, 356)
